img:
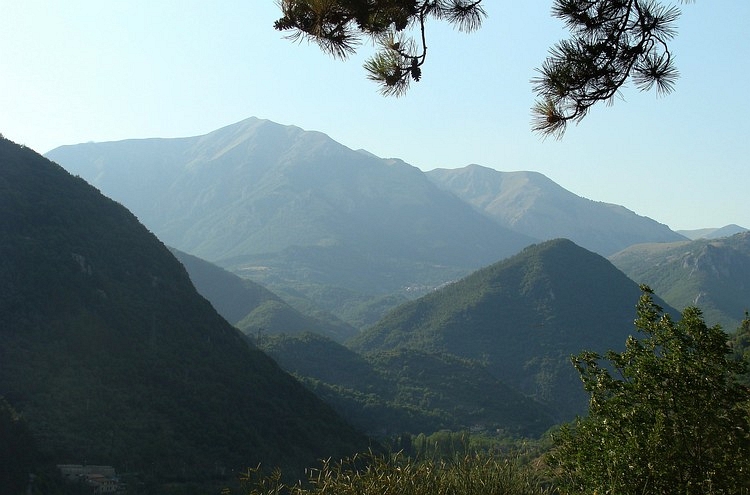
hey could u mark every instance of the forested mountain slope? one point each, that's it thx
(712, 274)
(111, 355)
(407, 391)
(523, 318)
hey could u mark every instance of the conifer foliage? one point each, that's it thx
(667, 415)
(338, 27)
(611, 42)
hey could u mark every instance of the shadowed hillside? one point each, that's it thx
(392, 392)
(112, 357)
(251, 307)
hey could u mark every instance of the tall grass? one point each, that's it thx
(396, 474)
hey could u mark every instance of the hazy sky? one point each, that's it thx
(103, 70)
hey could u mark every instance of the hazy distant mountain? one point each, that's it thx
(251, 307)
(112, 357)
(407, 391)
(522, 317)
(530, 203)
(712, 233)
(285, 205)
(713, 274)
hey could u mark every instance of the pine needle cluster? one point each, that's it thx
(397, 27)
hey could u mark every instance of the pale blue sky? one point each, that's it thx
(101, 70)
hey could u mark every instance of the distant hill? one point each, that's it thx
(251, 307)
(291, 208)
(712, 274)
(530, 203)
(112, 357)
(712, 233)
(407, 391)
(523, 318)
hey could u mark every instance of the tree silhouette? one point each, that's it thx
(611, 42)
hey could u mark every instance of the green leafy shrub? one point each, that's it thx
(667, 415)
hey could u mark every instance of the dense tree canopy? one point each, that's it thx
(611, 41)
(667, 415)
(741, 346)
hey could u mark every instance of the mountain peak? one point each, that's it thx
(523, 317)
(256, 190)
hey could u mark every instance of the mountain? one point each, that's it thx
(251, 307)
(712, 274)
(383, 393)
(713, 233)
(112, 357)
(530, 203)
(523, 318)
(407, 391)
(286, 207)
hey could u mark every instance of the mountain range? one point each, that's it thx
(407, 301)
(328, 227)
(112, 357)
(257, 188)
(342, 234)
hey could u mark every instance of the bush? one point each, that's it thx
(666, 416)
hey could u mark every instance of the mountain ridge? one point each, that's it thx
(713, 232)
(285, 151)
(533, 204)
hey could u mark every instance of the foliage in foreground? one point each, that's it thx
(611, 42)
(741, 347)
(667, 415)
(397, 474)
